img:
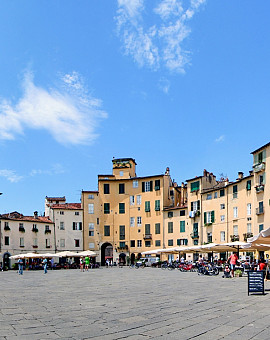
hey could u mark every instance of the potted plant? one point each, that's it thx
(238, 273)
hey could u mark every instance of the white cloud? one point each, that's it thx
(69, 113)
(160, 44)
(164, 85)
(220, 139)
(56, 169)
(10, 175)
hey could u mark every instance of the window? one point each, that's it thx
(139, 199)
(147, 206)
(62, 226)
(77, 213)
(90, 197)
(235, 230)
(21, 241)
(260, 227)
(106, 188)
(77, 243)
(131, 200)
(121, 173)
(121, 188)
(106, 208)
(139, 221)
(77, 225)
(195, 205)
(222, 218)
(222, 206)
(209, 217)
(21, 225)
(209, 196)
(157, 205)
(121, 208)
(157, 243)
(249, 228)
(135, 184)
(90, 208)
(91, 233)
(235, 212)
(97, 221)
(249, 209)
(182, 213)
(182, 242)
(139, 243)
(195, 229)
(91, 245)
(147, 243)
(35, 242)
(235, 191)
(157, 228)
(6, 225)
(106, 230)
(248, 185)
(122, 235)
(261, 210)
(221, 192)
(62, 242)
(170, 214)
(132, 221)
(147, 186)
(170, 242)
(62, 213)
(48, 243)
(215, 195)
(91, 226)
(157, 184)
(170, 227)
(182, 227)
(147, 229)
(195, 186)
(132, 243)
(209, 237)
(222, 236)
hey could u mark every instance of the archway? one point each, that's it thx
(122, 258)
(6, 261)
(106, 253)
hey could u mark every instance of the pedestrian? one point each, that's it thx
(81, 264)
(45, 263)
(87, 262)
(182, 260)
(52, 263)
(233, 260)
(107, 263)
(20, 266)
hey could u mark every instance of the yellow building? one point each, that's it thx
(125, 216)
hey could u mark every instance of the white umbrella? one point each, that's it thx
(66, 253)
(262, 238)
(89, 253)
(48, 255)
(155, 251)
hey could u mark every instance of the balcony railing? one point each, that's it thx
(259, 167)
(194, 235)
(35, 246)
(259, 210)
(6, 227)
(48, 231)
(259, 188)
(122, 248)
(35, 230)
(247, 235)
(21, 229)
(147, 237)
(234, 238)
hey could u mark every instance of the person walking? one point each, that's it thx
(81, 264)
(87, 262)
(20, 265)
(45, 263)
(233, 260)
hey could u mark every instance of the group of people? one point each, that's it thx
(84, 263)
(44, 263)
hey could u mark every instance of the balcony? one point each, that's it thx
(125, 248)
(259, 210)
(259, 167)
(21, 229)
(194, 213)
(194, 235)
(147, 237)
(35, 230)
(35, 246)
(6, 227)
(234, 238)
(259, 188)
(247, 235)
(48, 231)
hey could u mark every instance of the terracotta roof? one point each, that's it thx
(20, 217)
(67, 206)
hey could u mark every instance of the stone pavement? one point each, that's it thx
(123, 303)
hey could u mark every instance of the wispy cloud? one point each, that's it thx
(69, 113)
(164, 85)
(10, 175)
(160, 44)
(56, 169)
(220, 139)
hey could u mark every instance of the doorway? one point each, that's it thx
(106, 253)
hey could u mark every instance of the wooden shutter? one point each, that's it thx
(143, 186)
(212, 216)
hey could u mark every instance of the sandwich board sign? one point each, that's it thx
(256, 281)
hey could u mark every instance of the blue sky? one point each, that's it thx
(183, 84)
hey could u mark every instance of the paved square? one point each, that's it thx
(123, 303)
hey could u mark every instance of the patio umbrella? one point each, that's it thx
(150, 252)
(262, 238)
(67, 253)
(89, 253)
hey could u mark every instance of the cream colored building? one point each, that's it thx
(23, 234)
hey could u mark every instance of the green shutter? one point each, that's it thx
(191, 206)
(198, 205)
(204, 217)
(157, 205)
(147, 206)
(212, 216)
(186, 241)
(143, 186)
(182, 226)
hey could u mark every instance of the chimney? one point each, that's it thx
(35, 214)
(240, 175)
(251, 172)
(167, 171)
